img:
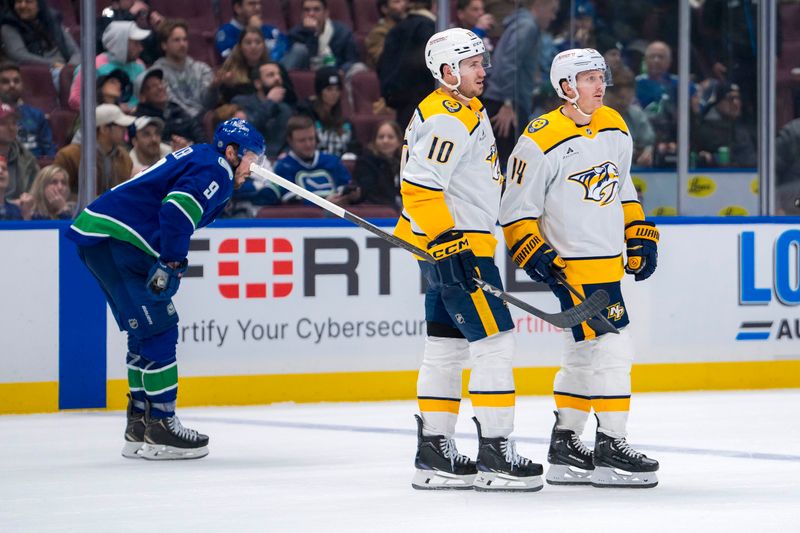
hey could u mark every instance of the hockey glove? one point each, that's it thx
(537, 258)
(163, 280)
(455, 261)
(641, 238)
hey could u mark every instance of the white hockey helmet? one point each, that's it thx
(450, 47)
(569, 63)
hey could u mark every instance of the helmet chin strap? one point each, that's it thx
(455, 87)
(576, 107)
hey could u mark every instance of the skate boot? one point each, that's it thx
(500, 468)
(570, 460)
(616, 464)
(166, 438)
(134, 432)
(439, 465)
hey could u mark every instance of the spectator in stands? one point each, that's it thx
(147, 148)
(656, 80)
(787, 154)
(377, 171)
(269, 109)
(405, 79)
(8, 210)
(227, 112)
(234, 77)
(247, 14)
(515, 65)
(255, 193)
(471, 16)
(33, 33)
(721, 138)
(392, 12)
(320, 41)
(584, 29)
(186, 78)
(334, 132)
(323, 174)
(148, 19)
(113, 161)
(122, 40)
(33, 129)
(49, 196)
(114, 88)
(21, 164)
(179, 127)
(622, 97)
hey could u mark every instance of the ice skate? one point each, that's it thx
(616, 464)
(166, 438)
(134, 432)
(439, 465)
(500, 468)
(571, 462)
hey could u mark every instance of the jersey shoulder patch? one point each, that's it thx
(549, 130)
(440, 103)
(607, 118)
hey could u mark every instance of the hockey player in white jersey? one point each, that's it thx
(451, 186)
(570, 205)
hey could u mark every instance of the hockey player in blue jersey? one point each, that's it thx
(134, 239)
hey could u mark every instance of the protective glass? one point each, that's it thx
(591, 78)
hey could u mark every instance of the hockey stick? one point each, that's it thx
(565, 319)
(599, 323)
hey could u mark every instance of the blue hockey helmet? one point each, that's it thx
(241, 133)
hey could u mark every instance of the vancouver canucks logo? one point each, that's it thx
(453, 107)
(537, 124)
(600, 183)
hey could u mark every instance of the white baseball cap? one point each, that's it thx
(134, 32)
(111, 114)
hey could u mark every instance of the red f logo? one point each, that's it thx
(282, 267)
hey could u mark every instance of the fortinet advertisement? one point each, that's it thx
(335, 299)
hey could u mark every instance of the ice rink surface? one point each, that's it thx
(730, 462)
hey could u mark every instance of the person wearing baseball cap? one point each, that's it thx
(22, 166)
(180, 129)
(145, 136)
(114, 164)
(122, 40)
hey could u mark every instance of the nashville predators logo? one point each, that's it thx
(453, 107)
(615, 311)
(497, 175)
(600, 183)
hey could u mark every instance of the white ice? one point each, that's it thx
(730, 462)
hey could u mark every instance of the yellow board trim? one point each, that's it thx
(484, 312)
(571, 402)
(493, 400)
(604, 405)
(438, 406)
(42, 397)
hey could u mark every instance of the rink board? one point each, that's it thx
(288, 310)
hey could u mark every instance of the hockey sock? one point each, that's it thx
(160, 380)
(134, 363)
(439, 384)
(491, 384)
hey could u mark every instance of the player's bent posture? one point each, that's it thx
(570, 204)
(134, 239)
(451, 186)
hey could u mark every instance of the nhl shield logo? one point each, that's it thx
(453, 107)
(133, 323)
(170, 309)
(600, 183)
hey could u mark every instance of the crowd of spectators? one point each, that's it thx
(332, 83)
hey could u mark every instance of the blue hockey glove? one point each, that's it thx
(455, 260)
(163, 280)
(641, 238)
(537, 258)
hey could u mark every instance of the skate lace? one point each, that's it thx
(449, 450)
(509, 449)
(579, 445)
(181, 431)
(623, 446)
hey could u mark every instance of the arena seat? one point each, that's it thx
(366, 90)
(291, 211)
(39, 89)
(303, 81)
(62, 121)
(64, 84)
(366, 126)
(201, 47)
(373, 210)
(198, 19)
(365, 16)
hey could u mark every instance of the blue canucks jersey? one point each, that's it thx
(158, 209)
(323, 175)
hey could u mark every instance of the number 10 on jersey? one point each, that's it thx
(440, 151)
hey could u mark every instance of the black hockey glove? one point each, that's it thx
(641, 238)
(537, 258)
(163, 280)
(455, 260)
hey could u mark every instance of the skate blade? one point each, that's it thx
(606, 477)
(132, 450)
(568, 475)
(497, 482)
(160, 452)
(435, 480)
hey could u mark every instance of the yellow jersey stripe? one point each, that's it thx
(611, 404)
(427, 207)
(438, 405)
(516, 231)
(484, 312)
(483, 399)
(633, 211)
(564, 401)
(588, 270)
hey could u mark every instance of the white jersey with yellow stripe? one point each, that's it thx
(572, 184)
(450, 174)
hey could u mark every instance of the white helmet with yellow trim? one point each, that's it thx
(450, 47)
